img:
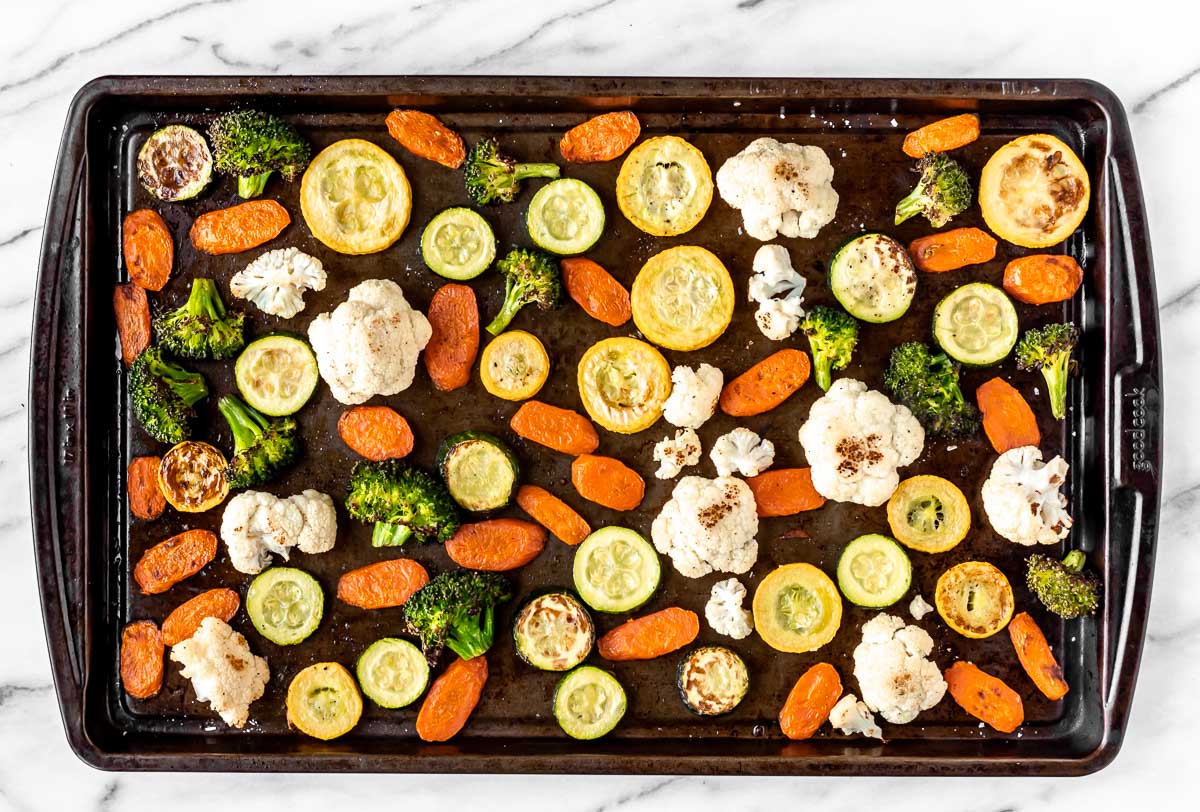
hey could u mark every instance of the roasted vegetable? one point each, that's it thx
(493, 177)
(456, 610)
(202, 328)
(250, 145)
(1048, 350)
(928, 385)
(530, 277)
(402, 501)
(163, 394)
(1062, 586)
(261, 447)
(832, 336)
(942, 192)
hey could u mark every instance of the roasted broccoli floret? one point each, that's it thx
(943, 191)
(202, 328)
(250, 145)
(495, 178)
(530, 277)
(1048, 349)
(832, 336)
(928, 385)
(402, 501)
(261, 447)
(457, 610)
(1062, 586)
(163, 394)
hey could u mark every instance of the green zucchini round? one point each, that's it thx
(553, 632)
(479, 470)
(712, 680)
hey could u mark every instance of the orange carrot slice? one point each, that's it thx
(784, 492)
(766, 384)
(239, 228)
(596, 291)
(426, 137)
(452, 699)
(169, 562)
(376, 432)
(553, 514)
(148, 248)
(382, 584)
(650, 636)
(132, 310)
(1040, 279)
(809, 702)
(186, 618)
(985, 697)
(1008, 421)
(560, 429)
(942, 135)
(141, 659)
(953, 249)
(601, 138)
(452, 349)
(146, 500)
(607, 481)
(1036, 656)
(496, 545)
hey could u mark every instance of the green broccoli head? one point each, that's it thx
(493, 177)
(943, 191)
(162, 395)
(201, 329)
(456, 610)
(1062, 586)
(928, 385)
(832, 336)
(402, 501)
(250, 145)
(261, 447)
(530, 277)
(1048, 349)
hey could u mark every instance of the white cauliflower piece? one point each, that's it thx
(853, 718)
(708, 524)
(919, 607)
(694, 395)
(370, 343)
(1022, 499)
(276, 281)
(742, 451)
(724, 611)
(673, 454)
(223, 670)
(780, 188)
(855, 439)
(779, 291)
(893, 669)
(256, 525)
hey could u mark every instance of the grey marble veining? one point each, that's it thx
(1149, 57)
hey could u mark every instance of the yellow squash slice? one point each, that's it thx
(929, 514)
(1034, 191)
(683, 298)
(514, 365)
(797, 608)
(665, 186)
(623, 383)
(974, 598)
(323, 701)
(355, 197)
(192, 477)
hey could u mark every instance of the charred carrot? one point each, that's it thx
(141, 659)
(146, 500)
(1036, 656)
(553, 514)
(561, 429)
(985, 697)
(171, 561)
(1008, 421)
(650, 636)
(186, 618)
(132, 310)
(953, 249)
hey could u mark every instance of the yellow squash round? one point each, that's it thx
(192, 477)
(797, 608)
(355, 198)
(623, 383)
(1034, 191)
(683, 298)
(514, 366)
(665, 186)
(974, 598)
(929, 514)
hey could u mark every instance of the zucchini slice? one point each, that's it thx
(616, 570)
(175, 163)
(797, 609)
(479, 470)
(393, 673)
(974, 598)
(458, 244)
(565, 217)
(277, 374)
(976, 324)
(554, 632)
(712, 680)
(285, 605)
(323, 701)
(874, 571)
(873, 278)
(588, 703)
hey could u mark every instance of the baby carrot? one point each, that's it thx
(942, 135)
(953, 249)
(560, 429)
(766, 384)
(650, 636)
(553, 514)
(607, 481)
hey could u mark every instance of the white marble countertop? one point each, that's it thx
(1150, 59)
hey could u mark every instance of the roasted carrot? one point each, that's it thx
(239, 228)
(784, 492)
(560, 429)
(1007, 419)
(146, 500)
(1036, 656)
(942, 135)
(1040, 279)
(376, 432)
(953, 249)
(496, 545)
(553, 514)
(452, 349)
(169, 562)
(132, 310)
(809, 702)
(141, 659)
(148, 248)
(607, 481)
(186, 618)
(766, 384)
(650, 636)
(451, 699)
(985, 697)
(596, 291)
(382, 584)
(426, 137)
(601, 138)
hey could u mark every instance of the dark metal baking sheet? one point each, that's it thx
(81, 436)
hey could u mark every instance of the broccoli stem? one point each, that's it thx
(204, 300)
(1074, 561)
(512, 305)
(470, 639)
(386, 534)
(1056, 381)
(523, 171)
(252, 185)
(824, 370)
(188, 386)
(912, 205)
(246, 424)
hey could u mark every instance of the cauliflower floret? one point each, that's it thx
(276, 281)
(891, 664)
(1022, 500)
(853, 718)
(855, 439)
(694, 394)
(780, 188)
(673, 454)
(742, 451)
(724, 611)
(919, 607)
(223, 670)
(369, 344)
(779, 291)
(708, 524)
(256, 524)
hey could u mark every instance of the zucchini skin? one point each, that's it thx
(447, 446)
(537, 596)
(681, 671)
